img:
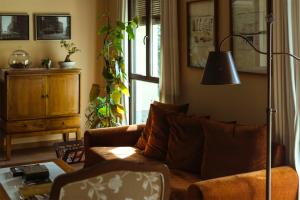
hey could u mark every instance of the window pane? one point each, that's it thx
(139, 43)
(143, 94)
(156, 49)
(155, 40)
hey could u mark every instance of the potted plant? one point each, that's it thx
(71, 49)
(107, 110)
(47, 62)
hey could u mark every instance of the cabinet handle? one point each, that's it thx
(43, 96)
(47, 96)
(24, 125)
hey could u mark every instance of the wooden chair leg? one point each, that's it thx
(78, 134)
(2, 150)
(66, 137)
(8, 147)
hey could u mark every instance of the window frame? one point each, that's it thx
(148, 40)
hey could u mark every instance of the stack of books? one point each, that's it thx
(37, 184)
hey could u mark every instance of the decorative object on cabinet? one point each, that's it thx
(201, 31)
(52, 27)
(71, 49)
(248, 20)
(14, 26)
(108, 111)
(37, 102)
(47, 63)
(19, 59)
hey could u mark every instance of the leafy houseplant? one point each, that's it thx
(71, 49)
(108, 111)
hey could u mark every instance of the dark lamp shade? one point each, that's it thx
(220, 69)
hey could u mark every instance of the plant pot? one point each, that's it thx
(67, 64)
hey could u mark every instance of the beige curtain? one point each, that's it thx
(286, 77)
(169, 81)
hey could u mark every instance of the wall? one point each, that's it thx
(84, 28)
(245, 102)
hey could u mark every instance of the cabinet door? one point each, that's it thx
(63, 94)
(26, 97)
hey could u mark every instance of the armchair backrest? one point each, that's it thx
(114, 179)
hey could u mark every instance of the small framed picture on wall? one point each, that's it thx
(52, 27)
(201, 33)
(14, 26)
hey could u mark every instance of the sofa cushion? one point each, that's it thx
(99, 154)
(179, 183)
(185, 145)
(142, 141)
(232, 149)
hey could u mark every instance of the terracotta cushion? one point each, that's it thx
(232, 149)
(157, 144)
(179, 183)
(185, 145)
(142, 141)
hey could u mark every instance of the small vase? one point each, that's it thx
(67, 65)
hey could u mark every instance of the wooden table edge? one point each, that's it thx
(63, 165)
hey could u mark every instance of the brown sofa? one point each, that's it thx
(119, 142)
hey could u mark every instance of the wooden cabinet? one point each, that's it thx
(38, 102)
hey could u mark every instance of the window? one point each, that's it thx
(144, 58)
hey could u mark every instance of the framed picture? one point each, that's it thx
(202, 29)
(248, 20)
(14, 26)
(52, 27)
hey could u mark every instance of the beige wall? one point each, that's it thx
(245, 103)
(84, 28)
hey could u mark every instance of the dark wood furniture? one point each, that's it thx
(61, 164)
(38, 101)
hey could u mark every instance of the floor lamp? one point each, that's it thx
(220, 70)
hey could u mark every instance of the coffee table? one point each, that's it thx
(9, 186)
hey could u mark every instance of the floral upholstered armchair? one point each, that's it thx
(115, 180)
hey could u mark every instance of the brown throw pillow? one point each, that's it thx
(186, 141)
(232, 149)
(142, 141)
(157, 144)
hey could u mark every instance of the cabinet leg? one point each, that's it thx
(66, 137)
(8, 147)
(78, 134)
(2, 144)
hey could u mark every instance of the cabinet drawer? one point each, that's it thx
(26, 126)
(63, 123)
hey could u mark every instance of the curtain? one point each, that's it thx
(286, 78)
(169, 80)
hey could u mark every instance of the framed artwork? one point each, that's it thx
(248, 20)
(14, 26)
(52, 27)
(202, 29)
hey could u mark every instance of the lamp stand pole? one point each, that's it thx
(270, 109)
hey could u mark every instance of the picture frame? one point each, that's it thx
(201, 31)
(14, 26)
(52, 26)
(248, 20)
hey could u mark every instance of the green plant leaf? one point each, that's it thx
(121, 25)
(116, 96)
(136, 20)
(130, 32)
(124, 89)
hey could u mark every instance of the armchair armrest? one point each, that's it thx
(113, 136)
(247, 186)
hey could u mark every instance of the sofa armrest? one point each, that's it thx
(113, 136)
(247, 186)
